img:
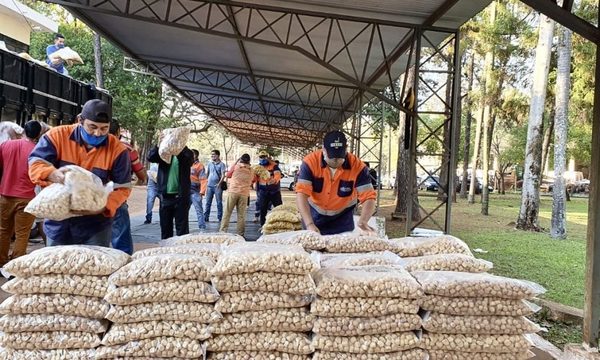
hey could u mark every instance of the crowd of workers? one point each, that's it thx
(330, 184)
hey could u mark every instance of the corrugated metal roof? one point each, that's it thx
(272, 71)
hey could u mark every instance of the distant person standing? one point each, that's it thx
(240, 180)
(151, 191)
(197, 177)
(215, 172)
(269, 191)
(56, 64)
(17, 190)
(372, 174)
(121, 228)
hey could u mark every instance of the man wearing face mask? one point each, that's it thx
(56, 64)
(86, 144)
(330, 184)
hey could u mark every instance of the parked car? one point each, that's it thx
(478, 185)
(287, 182)
(431, 183)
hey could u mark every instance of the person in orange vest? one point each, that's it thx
(268, 191)
(198, 179)
(330, 184)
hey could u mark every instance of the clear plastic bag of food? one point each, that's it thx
(124, 333)
(162, 291)
(212, 251)
(371, 344)
(488, 325)
(163, 267)
(251, 257)
(259, 300)
(85, 285)
(463, 355)
(366, 281)
(88, 193)
(57, 354)
(309, 240)
(74, 305)
(412, 354)
(280, 226)
(42, 340)
(261, 172)
(255, 355)
(357, 259)
(68, 260)
(204, 238)
(166, 311)
(53, 203)
(51, 322)
(447, 262)
(451, 283)
(476, 343)
(421, 246)
(350, 242)
(161, 347)
(363, 307)
(267, 282)
(358, 326)
(173, 141)
(282, 341)
(478, 306)
(296, 319)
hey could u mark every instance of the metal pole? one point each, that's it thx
(591, 309)
(380, 154)
(454, 127)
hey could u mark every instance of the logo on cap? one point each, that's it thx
(336, 144)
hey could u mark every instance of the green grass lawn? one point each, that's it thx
(558, 265)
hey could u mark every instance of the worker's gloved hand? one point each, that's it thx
(58, 176)
(366, 229)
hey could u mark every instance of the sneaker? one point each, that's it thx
(148, 222)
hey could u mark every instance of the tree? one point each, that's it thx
(468, 121)
(558, 228)
(530, 198)
(98, 60)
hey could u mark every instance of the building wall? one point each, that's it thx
(13, 27)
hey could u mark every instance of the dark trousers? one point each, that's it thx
(266, 199)
(174, 207)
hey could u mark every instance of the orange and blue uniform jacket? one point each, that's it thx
(63, 145)
(332, 200)
(198, 178)
(263, 185)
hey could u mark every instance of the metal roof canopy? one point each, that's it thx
(269, 67)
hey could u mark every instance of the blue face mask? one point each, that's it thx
(91, 140)
(263, 162)
(60, 46)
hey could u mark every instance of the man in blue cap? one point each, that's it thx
(330, 185)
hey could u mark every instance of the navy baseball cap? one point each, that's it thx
(96, 110)
(335, 143)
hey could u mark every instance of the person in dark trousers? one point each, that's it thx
(174, 191)
(372, 174)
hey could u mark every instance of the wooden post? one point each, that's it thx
(591, 310)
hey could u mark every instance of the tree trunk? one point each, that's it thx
(487, 115)
(444, 190)
(403, 168)
(98, 60)
(548, 132)
(476, 153)
(530, 197)
(467, 145)
(558, 228)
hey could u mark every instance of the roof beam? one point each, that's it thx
(566, 18)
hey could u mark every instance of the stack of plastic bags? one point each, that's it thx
(57, 309)
(203, 238)
(367, 313)
(309, 240)
(281, 219)
(265, 292)
(161, 306)
(476, 316)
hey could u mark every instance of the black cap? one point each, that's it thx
(335, 143)
(96, 110)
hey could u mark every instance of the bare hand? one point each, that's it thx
(87, 213)
(366, 229)
(313, 227)
(58, 176)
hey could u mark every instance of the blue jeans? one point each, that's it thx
(218, 194)
(101, 238)
(121, 230)
(151, 195)
(197, 201)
